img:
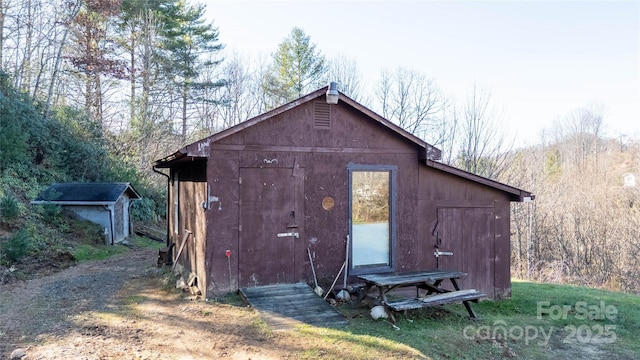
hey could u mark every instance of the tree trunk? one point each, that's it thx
(56, 67)
(1, 33)
(132, 79)
(146, 84)
(98, 103)
(184, 113)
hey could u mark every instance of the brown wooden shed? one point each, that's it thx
(309, 175)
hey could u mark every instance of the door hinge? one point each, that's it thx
(240, 180)
(240, 228)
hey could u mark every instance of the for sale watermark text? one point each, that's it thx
(596, 329)
(581, 310)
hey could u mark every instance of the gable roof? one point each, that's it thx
(429, 154)
(85, 193)
(199, 148)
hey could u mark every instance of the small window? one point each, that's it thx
(321, 115)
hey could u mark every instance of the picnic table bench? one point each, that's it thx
(429, 280)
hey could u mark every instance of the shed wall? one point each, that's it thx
(325, 156)
(119, 214)
(476, 204)
(113, 218)
(222, 222)
(291, 140)
(96, 214)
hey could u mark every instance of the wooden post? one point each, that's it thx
(184, 241)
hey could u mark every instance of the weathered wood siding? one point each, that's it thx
(322, 153)
(477, 218)
(192, 190)
(288, 141)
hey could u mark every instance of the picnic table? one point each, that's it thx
(429, 280)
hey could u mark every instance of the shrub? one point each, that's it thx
(51, 212)
(17, 246)
(144, 210)
(9, 209)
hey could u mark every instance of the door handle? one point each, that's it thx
(294, 234)
(439, 253)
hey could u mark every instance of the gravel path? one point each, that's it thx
(46, 307)
(125, 308)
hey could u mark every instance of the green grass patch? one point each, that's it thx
(86, 252)
(229, 298)
(145, 242)
(540, 321)
(339, 344)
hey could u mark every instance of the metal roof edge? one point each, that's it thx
(167, 160)
(128, 189)
(71, 203)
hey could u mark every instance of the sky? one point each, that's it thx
(539, 60)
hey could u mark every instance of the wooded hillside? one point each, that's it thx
(584, 225)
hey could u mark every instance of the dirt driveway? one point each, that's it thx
(122, 308)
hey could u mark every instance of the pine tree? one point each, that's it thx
(191, 46)
(141, 29)
(13, 138)
(93, 53)
(298, 68)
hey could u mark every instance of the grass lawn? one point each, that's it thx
(92, 251)
(540, 321)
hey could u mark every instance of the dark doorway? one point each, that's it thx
(271, 224)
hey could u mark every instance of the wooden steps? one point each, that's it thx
(283, 306)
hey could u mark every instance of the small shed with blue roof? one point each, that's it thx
(106, 204)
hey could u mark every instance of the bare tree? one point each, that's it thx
(139, 38)
(579, 133)
(32, 44)
(413, 101)
(93, 54)
(71, 12)
(26, 23)
(582, 227)
(344, 71)
(238, 102)
(483, 144)
(444, 134)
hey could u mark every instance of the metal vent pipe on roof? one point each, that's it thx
(332, 93)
